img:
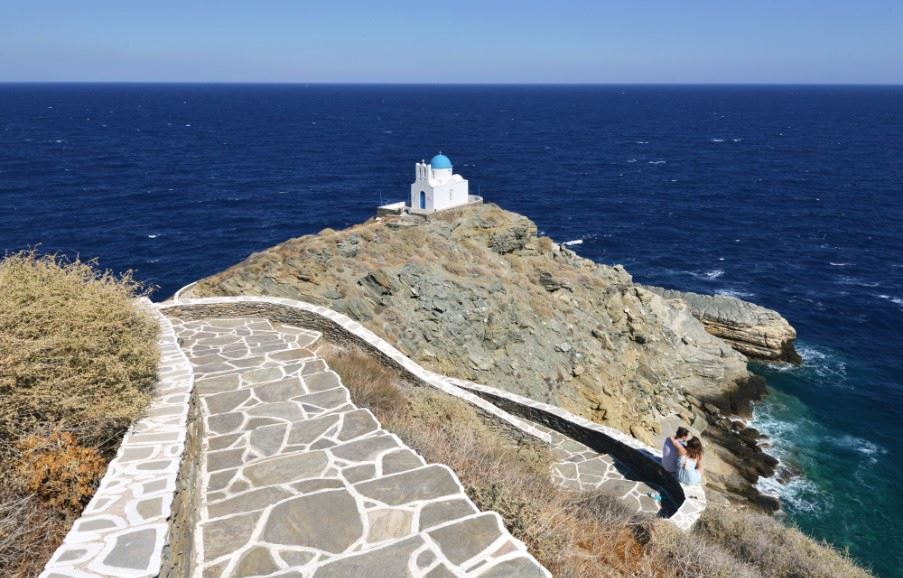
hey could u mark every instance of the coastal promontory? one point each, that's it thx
(475, 293)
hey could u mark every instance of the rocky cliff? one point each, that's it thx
(475, 293)
(751, 329)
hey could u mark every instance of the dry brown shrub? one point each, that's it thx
(29, 533)
(545, 244)
(455, 266)
(74, 352)
(516, 263)
(59, 470)
(764, 542)
(540, 305)
(77, 363)
(373, 387)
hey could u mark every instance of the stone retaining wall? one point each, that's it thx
(498, 404)
(124, 529)
(634, 454)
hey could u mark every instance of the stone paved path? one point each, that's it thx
(297, 481)
(583, 469)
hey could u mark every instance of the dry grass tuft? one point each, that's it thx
(587, 535)
(77, 363)
(766, 543)
(373, 382)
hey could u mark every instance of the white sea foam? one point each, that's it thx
(717, 140)
(855, 281)
(824, 364)
(736, 140)
(895, 300)
(774, 429)
(152, 236)
(574, 242)
(798, 494)
(642, 142)
(833, 264)
(862, 446)
(631, 160)
(707, 275)
(657, 162)
(735, 293)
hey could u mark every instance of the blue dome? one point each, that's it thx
(440, 161)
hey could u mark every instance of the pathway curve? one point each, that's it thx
(580, 468)
(298, 481)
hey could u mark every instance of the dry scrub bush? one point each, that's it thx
(29, 533)
(545, 244)
(574, 535)
(766, 543)
(74, 352)
(58, 469)
(77, 363)
(373, 382)
(455, 266)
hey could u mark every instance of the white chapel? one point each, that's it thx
(436, 187)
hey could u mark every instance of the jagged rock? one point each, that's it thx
(513, 237)
(601, 334)
(751, 329)
(550, 284)
(356, 308)
(379, 282)
(349, 247)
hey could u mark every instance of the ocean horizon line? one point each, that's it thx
(455, 84)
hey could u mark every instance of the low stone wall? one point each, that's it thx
(634, 454)
(498, 404)
(124, 529)
(337, 328)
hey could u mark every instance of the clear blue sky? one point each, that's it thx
(668, 41)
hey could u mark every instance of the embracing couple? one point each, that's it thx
(682, 457)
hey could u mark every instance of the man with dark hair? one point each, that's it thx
(673, 448)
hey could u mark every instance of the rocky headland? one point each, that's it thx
(751, 329)
(474, 293)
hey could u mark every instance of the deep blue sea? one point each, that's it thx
(791, 197)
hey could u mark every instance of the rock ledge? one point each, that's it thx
(751, 329)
